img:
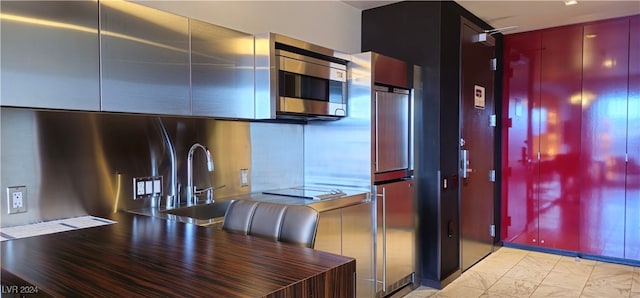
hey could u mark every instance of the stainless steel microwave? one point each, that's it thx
(310, 86)
(298, 80)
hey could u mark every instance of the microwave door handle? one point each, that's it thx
(312, 69)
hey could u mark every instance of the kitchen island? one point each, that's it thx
(150, 256)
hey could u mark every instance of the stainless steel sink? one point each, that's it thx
(202, 212)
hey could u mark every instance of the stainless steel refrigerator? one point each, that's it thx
(393, 183)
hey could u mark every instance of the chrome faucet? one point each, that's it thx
(192, 199)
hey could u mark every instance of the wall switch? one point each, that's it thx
(157, 185)
(16, 199)
(244, 177)
(148, 187)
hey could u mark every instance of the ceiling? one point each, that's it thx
(533, 15)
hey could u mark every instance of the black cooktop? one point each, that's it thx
(307, 193)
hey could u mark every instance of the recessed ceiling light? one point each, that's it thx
(570, 2)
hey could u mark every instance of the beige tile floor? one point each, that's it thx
(510, 272)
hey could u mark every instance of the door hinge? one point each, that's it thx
(493, 120)
(626, 157)
(538, 155)
(492, 230)
(494, 64)
(492, 175)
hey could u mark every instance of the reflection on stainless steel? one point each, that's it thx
(145, 60)
(50, 54)
(275, 164)
(222, 68)
(76, 163)
(192, 199)
(172, 197)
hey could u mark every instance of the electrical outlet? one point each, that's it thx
(16, 199)
(140, 188)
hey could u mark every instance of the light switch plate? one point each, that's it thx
(147, 187)
(244, 177)
(16, 199)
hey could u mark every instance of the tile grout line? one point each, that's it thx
(548, 272)
(588, 278)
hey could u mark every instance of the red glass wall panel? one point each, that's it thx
(560, 113)
(520, 166)
(604, 137)
(632, 227)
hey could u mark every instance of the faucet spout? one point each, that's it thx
(192, 199)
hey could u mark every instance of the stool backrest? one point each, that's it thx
(237, 219)
(295, 224)
(299, 225)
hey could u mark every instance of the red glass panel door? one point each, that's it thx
(520, 162)
(604, 137)
(632, 227)
(560, 113)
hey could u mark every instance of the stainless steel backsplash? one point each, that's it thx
(78, 163)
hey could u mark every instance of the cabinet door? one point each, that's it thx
(395, 233)
(329, 234)
(632, 227)
(391, 132)
(50, 54)
(357, 242)
(520, 179)
(145, 60)
(604, 134)
(559, 114)
(221, 71)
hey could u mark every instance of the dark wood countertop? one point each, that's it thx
(148, 256)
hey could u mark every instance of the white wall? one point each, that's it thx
(333, 24)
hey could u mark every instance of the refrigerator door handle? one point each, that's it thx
(384, 239)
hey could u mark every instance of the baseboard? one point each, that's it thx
(574, 254)
(440, 284)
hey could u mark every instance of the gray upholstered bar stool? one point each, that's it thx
(295, 224)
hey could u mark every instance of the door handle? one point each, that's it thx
(464, 164)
